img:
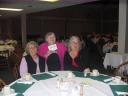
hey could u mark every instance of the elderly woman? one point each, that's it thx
(32, 62)
(73, 59)
(53, 52)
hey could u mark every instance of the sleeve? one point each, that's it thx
(66, 62)
(23, 67)
(43, 49)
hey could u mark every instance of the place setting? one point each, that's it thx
(8, 91)
(43, 76)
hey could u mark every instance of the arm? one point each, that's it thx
(23, 67)
(66, 62)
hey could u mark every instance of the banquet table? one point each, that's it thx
(45, 84)
(114, 59)
(6, 47)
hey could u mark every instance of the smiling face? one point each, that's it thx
(74, 43)
(51, 39)
(32, 50)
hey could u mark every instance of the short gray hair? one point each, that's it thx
(30, 43)
(71, 39)
(48, 34)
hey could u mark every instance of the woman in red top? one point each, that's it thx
(73, 57)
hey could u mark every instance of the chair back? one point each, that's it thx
(4, 62)
(2, 84)
(15, 71)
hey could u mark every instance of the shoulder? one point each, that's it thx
(43, 45)
(61, 46)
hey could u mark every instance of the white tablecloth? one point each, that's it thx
(49, 87)
(114, 59)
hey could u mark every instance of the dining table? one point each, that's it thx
(58, 83)
(114, 59)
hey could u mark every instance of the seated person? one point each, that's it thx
(73, 57)
(32, 63)
(53, 62)
(53, 52)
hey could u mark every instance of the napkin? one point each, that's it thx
(109, 79)
(26, 81)
(13, 94)
(50, 73)
(121, 93)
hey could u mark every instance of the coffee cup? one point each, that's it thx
(86, 71)
(95, 72)
(6, 90)
(70, 75)
(27, 76)
(117, 79)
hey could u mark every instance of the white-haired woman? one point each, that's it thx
(53, 52)
(32, 63)
(73, 59)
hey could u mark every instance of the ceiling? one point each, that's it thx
(31, 6)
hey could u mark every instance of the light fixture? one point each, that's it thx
(50, 0)
(0, 15)
(11, 9)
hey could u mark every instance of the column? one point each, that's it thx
(23, 30)
(123, 23)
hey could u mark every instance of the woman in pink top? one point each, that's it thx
(51, 46)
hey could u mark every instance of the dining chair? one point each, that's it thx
(15, 71)
(122, 70)
(4, 62)
(2, 84)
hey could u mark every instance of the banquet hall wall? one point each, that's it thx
(78, 19)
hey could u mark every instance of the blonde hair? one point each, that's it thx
(70, 41)
(30, 43)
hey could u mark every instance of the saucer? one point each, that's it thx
(91, 74)
(12, 93)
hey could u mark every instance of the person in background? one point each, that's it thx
(73, 59)
(32, 63)
(51, 51)
(95, 54)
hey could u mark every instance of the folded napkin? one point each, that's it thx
(26, 81)
(13, 94)
(50, 73)
(114, 83)
(121, 93)
(119, 89)
(20, 87)
(44, 76)
(109, 79)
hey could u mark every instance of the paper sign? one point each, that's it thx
(52, 47)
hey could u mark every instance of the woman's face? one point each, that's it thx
(75, 44)
(32, 50)
(51, 39)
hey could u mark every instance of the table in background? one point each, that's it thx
(114, 59)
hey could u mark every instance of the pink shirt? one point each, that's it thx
(24, 67)
(61, 49)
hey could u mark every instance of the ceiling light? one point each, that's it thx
(11, 9)
(50, 0)
(0, 15)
